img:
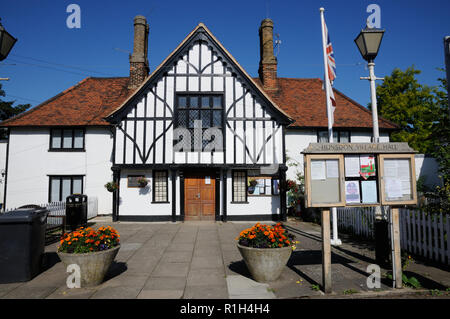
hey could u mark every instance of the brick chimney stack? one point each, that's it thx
(139, 68)
(268, 63)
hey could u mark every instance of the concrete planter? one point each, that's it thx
(265, 264)
(93, 266)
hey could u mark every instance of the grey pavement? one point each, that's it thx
(200, 260)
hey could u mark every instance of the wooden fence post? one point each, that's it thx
(326, 251)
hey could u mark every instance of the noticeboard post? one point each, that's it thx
(359, 175)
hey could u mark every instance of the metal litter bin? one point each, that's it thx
(22, 244)
(76, 211)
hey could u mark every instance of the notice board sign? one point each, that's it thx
(398, 183)
(359, 174)
(323, 179)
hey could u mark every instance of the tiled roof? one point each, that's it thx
(91, 100)
(84, 104)
(304, 101)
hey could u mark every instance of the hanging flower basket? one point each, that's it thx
(111, 186)
(142, 181)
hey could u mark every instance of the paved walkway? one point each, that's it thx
(200, 260)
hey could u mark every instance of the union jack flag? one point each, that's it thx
(330, 57)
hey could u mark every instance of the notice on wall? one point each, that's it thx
(332, 168)
(352, 192)
(351, 165)
(207, 180)
(403, 176)
(369, 192)
(393, 188)
(397, 178)
(367, 165)
(318, 171)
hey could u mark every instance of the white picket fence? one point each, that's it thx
(59, 209)
(422, 234)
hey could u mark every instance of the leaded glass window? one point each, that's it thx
(239, 186)
(160, 187)
(205, 108)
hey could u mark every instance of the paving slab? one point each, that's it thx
(206, 292)
(116, 293)
(167, 269)
(160, 294)
(240, 287)
(206, 277)
(72, 293)
(165, 283)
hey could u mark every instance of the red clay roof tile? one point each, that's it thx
(89, 101)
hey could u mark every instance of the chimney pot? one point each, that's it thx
(139, 67)
(268, 62)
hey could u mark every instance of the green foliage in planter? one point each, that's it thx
(86, 240)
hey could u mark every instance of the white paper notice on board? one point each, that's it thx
(393, 187)
(352, 192)
(207, 180)
(403, 175)
(318, 171)
(369, 192)
(351, 165)
(390, 168)
(332, 168)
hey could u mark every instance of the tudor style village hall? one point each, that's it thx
(196, 139)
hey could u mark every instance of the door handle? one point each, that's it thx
(198, 196)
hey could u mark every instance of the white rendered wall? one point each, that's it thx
(427, 168)
(257, 205)
(137, 201)
(30, 164)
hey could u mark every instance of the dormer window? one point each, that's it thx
(66, 139)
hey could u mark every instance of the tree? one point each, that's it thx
(441, 138)
(7, 110)
(412, 106)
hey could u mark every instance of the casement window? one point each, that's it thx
(62, 186)
(66, 139)
(160, 187)
(239, 185)
(205, 108)
(338, 136)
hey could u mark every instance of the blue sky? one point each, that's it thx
(49, 57)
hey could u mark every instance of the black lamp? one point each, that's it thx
(7, 41)
(368, 42)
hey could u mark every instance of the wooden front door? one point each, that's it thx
(199, 196)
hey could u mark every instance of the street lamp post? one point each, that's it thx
(368, 42)
(7, 41)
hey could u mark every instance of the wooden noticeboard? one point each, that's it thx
(398, 182)
(323, 179)
(359, 174)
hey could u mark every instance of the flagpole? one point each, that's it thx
(335, 240)
(325, 63)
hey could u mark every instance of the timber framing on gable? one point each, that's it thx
(201, 33)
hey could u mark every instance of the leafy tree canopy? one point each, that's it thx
(414, 107)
